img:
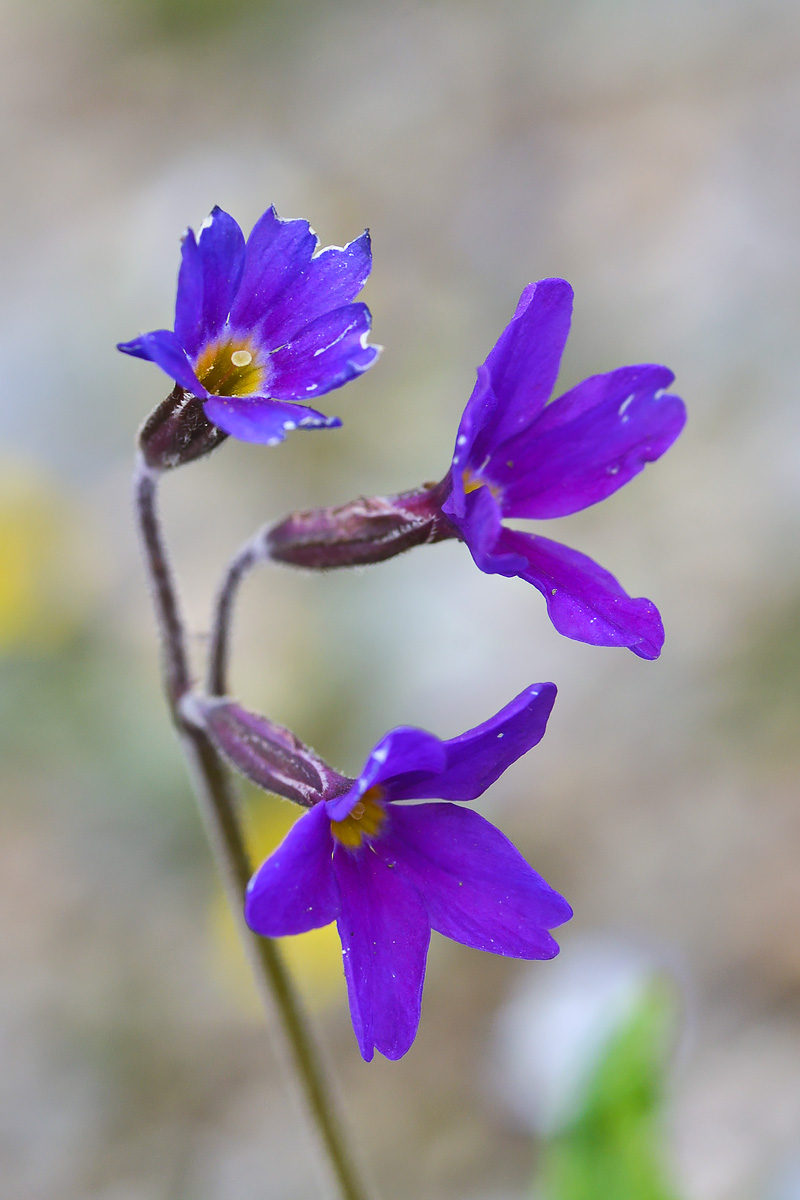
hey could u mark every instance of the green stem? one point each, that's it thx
(211, 785)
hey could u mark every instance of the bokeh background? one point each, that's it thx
(646, 150)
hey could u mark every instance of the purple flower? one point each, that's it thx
(388, 874)
(261, 328)
(518, 456)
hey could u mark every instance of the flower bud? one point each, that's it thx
(366, 530)
(265, 753)
(178, 431)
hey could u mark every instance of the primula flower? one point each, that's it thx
(265, 326)
(388, 874)
(518, 456)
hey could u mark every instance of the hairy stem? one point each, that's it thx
(366, 530)
(219, 648)
(212, 788)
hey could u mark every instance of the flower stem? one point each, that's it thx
(366, 530)
(219, 649)
(212, 789)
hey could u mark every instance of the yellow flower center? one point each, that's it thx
(473, 481)
(231, 368)
(364, 821)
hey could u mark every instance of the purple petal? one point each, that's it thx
(478, 757)
(295, 889)
(478, 414)
(411, 764)
(523, 366)
(222, 252)
(333, 278)
(588, 443)
(476, 886)
(584, 601)
(262, 419)
(385, 934)
(327, 353)
(481, 527)
(163, 348)
(400, 752)
(276, 251)
(189, 328)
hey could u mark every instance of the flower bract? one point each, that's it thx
(263, 327)
(517, 455)
(389, 873)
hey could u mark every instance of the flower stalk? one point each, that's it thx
(212, 790)
(361, 532)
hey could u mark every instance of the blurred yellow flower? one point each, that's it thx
(43, 584)
(314, 958)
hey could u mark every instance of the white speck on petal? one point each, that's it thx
(329, 346)
(626, 404)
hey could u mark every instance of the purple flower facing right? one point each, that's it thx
(518, 456)
(388, 873)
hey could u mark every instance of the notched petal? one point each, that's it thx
(276, 252)
(221, 248)
(332, 278)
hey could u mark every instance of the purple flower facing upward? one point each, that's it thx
(518, 456)
(263, 327)
(388, 874)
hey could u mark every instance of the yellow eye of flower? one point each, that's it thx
(473, 481)
(231, 368)
(365, 820)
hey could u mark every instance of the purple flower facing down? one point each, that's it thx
(388, 874)
(518, 456)
(263, 327)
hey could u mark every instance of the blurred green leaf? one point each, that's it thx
(612, 1149)
(197, 20)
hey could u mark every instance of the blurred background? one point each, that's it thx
(647, 151)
